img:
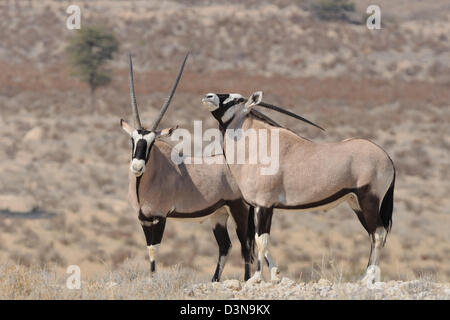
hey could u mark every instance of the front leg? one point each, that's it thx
(219, 222)
(263, 217)
(153, 229)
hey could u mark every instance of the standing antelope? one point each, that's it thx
(311, 176)
(160, 189)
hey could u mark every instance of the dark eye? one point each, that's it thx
(210, 96)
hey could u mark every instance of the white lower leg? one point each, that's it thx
(261, 243)
(373, 272)
(272, 268)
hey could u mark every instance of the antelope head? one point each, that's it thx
(142, 139)
(224, 107)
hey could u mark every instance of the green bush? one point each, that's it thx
(332, 9)
(88, 51)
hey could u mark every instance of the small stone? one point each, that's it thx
(190, 292)
(286, 282)
(323, 292)
(232, 284)
(266, 284)
(324, 282)
(379, 285)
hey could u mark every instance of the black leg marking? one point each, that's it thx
(224, 242)
(153, 228)
(247, 271)
(264, 220)
(243, 215)
(152, 266)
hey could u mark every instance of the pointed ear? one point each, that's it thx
(165, 132)
(254, 99)
(126, 127)
(257, 97)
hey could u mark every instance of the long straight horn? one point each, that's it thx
(169, 97)
(291, 114)
(134, 108)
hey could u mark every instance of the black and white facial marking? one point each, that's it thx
(142, 141)
(223, 106)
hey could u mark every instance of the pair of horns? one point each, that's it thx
(137, 120)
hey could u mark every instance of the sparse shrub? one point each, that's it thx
(89, 50)
(332, 9)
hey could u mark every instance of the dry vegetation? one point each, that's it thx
(131, 281)
(64, 171)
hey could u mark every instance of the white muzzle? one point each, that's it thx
(137, 167)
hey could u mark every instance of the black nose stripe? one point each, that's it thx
(141, 150)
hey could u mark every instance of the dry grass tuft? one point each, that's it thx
(130, 281)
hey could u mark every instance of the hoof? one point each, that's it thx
(215, 280)
(373, 275)
(257, 278)
(274, 275)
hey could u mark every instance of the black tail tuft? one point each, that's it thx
(251, 232)
(387, 206)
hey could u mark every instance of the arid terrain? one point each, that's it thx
(64, 168)
(131, 281)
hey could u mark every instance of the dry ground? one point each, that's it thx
(131, 281)
(63, 169)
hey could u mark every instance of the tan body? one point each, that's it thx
(310, 173)
(316, 176)
(166, 188)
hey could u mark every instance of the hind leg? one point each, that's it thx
(219, 222)
(240, 213)
(373, 273)
(366, 207)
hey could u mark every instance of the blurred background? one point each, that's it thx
(64, 158)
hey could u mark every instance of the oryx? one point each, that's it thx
(159, 189)
(311, 176)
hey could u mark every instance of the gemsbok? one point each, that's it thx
(311, 176)
(160, 189)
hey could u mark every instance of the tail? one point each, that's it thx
(251, 232)
(387, 206)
